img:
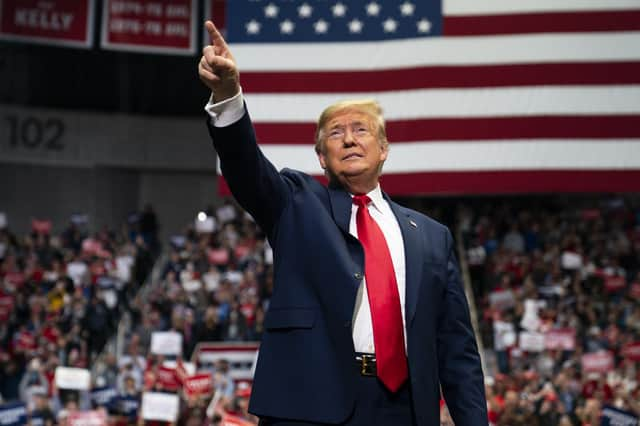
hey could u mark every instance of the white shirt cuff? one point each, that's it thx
(226, 112)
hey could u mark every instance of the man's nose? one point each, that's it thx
(348, 139)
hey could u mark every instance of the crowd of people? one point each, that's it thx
(557, 287)
(556, 283)
(61, 297)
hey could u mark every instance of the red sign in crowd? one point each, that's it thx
(597, 362)
(59, 22)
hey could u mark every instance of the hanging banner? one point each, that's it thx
(57, 22)
(148, 26)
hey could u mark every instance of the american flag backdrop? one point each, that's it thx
(480, 96)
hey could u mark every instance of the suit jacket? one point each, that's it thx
(306, 368)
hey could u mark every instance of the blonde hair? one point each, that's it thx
(366, 106)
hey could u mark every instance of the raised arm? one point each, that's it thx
(253, 180)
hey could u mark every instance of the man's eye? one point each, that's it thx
(335, 133)
(362, 130)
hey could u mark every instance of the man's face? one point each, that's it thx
(351, 149)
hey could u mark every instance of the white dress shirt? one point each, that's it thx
(230, 111)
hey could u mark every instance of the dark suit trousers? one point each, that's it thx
(375, 406)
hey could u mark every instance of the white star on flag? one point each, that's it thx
(286, 26)
(304, 11)
(321, 26)
(253, 27)
(271, 11)
(424, 25)
(373, 9)
(355, 26)
(339, 10)
(407, 8)
(390, 25)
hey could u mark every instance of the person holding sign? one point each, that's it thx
(368, 319)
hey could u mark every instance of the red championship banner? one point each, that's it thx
(198, 385)
(58, 22)
(562, 338)
(87, 418)
(150, 26)
(631, 351)
(597, 362)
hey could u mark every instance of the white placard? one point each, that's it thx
(166, 343)
(160, 406)
(73, 378)
(532, 342)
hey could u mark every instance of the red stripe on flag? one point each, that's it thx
(498, 182)
(442, 76)
(543, 22)
(461, 129)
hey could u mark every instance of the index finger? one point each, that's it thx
(216, 37)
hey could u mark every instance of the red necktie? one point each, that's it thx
(384, 301)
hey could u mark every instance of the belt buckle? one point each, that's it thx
(367, 366)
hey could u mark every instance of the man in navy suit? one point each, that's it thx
(368, 321)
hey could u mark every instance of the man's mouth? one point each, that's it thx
(351, 156)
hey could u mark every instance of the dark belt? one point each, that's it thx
(366, 364)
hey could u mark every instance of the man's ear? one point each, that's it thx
(323, 161)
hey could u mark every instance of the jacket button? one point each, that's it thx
(347, 324)
(357, 276)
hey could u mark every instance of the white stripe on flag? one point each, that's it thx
(539, 154)
(511, 49)
(491, 7)
(483, 102)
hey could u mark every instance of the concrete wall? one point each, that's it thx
(54, 163)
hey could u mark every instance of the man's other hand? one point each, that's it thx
(217, 67)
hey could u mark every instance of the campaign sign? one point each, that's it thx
(57, 22)
(612, 416)
(597, 362)
(87, 418)
(613, 283)
(562, 338)
(532, 342)
(502, 300)
(128, 406)
(168, 378)
(13, 414)
(73, 378)
(104, 397)
(198, 385)
(166, 343)
(160, 406)
(631, 351)
(161, 26)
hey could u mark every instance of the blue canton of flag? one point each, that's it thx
(268, 21)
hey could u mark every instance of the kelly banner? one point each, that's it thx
(147, 26)
(57, 22)
(614, 417)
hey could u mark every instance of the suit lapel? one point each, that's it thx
(340, 207)
(413, 257)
